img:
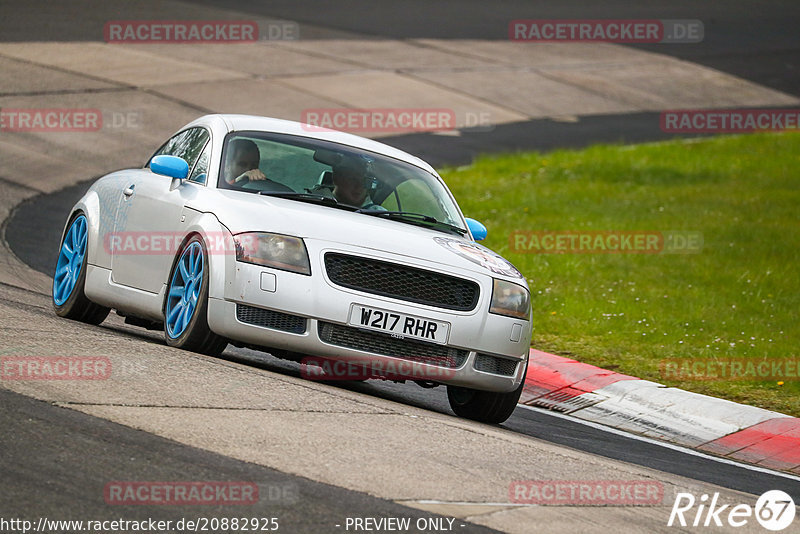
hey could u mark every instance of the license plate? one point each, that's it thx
(399, 325)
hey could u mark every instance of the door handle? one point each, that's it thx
(129, 191)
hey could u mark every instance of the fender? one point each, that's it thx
(211, 230)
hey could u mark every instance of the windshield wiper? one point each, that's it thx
(411, 217)
(307, 197)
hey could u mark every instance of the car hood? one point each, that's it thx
(247, 212)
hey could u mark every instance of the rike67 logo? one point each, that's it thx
(774, 510)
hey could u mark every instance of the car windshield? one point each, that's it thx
(337, 176)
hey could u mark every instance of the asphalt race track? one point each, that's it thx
(321, 453)
(58, 475)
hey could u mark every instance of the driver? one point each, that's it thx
(241, 163)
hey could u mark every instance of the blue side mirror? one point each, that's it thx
(477, 229)
(171, 166)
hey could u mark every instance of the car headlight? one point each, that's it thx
(510, 299)
(273, 250)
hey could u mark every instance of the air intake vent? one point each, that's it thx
(377, 343)
(402, 282)
(270, 319)
(492, 364)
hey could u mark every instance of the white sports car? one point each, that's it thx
(305, 243)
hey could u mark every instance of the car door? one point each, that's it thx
(148, 222)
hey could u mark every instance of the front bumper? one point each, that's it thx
(309, 314)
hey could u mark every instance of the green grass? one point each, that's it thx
(736, 299)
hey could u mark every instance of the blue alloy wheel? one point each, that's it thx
(184, 290)
(70, 261)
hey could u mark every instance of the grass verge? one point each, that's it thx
(652, 315)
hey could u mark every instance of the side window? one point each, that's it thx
(187, 145)
(200, 172)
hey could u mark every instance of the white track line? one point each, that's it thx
(672, 446)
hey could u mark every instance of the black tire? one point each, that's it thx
(484, 406)
(77, 306)
(197, 336)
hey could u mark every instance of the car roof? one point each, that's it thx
(236, 123)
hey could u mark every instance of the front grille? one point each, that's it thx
(402, 282)
(377, 343)
(492, 364)
(270, 319)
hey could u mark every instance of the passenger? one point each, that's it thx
(349, 188)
